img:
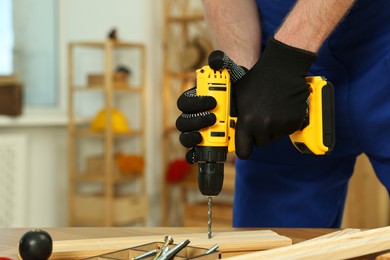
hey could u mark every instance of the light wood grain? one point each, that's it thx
(241, 241)
(341, 246)
(367, 204)
(332, 235)
(383, 257)
(9, 237)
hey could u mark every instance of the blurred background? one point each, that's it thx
(88, 94)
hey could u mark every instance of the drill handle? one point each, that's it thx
(218, 60)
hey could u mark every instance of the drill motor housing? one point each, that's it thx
(217, 140)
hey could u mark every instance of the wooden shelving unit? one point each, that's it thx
(107, 204)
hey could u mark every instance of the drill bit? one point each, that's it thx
(209, 214)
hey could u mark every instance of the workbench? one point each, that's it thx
(9, 237)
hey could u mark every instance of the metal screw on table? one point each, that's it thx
(168, 240)
(211, 249)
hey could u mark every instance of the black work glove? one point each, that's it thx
(272, 96)
(196, 115)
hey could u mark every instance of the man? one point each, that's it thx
(281, 42)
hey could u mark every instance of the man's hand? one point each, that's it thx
(196, 115)
(272, 97)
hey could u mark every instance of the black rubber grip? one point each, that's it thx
(218, 60)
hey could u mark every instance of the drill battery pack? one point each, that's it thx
(317, 135)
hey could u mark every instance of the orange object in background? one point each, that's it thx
(130, 164)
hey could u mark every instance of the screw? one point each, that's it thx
(168, 240)
(211, 249)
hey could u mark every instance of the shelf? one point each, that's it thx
(117, 179)
(126, 209)
(90, 133)
(130, 89)
(106, 208)
(185, 19)
(102, 44)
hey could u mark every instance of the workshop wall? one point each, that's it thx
(138, 21)
(135, 20)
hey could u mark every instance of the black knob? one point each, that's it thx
(35, 245)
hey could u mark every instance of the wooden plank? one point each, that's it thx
(367, 204)
(332, 235)
(383, 257)
(238, 241)
(351, 244)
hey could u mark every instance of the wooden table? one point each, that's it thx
(9, 237)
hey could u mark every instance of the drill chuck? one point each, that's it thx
(211, 169)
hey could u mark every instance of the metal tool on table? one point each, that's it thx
(315, 137)
(145, 255)
(168, 240)
(167, 253)
(211, 249)
(173, 251)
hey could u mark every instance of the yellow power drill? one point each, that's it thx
(317, 135)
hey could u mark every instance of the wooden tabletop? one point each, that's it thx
(9, 237)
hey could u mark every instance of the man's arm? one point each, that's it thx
(310, 23)
(235, 29)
